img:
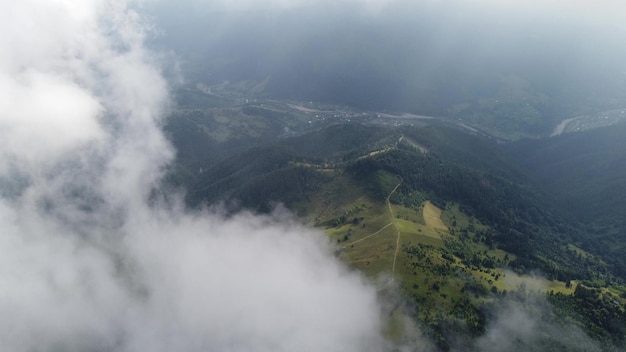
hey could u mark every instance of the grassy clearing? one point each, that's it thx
(441, 258)
(432, 216)
(414, 215)
(360, 227)
(417, 231)
(374, 256)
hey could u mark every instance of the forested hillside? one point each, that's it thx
(584, 174)
(467, 213)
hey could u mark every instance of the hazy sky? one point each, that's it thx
(588, 24)
(422, 56)
(599, 11)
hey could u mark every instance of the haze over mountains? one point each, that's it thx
(348, 175)
(515, 68)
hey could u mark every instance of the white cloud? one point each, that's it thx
(44, 116)
(86, 264)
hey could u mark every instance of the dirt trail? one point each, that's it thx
(368, 236)
(393, 221)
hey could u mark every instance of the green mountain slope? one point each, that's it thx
(585, 174)
(449, 217)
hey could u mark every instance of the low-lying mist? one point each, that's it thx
(89, 261)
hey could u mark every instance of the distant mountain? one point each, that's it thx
(514, 78)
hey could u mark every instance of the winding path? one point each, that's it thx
(393, 221)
